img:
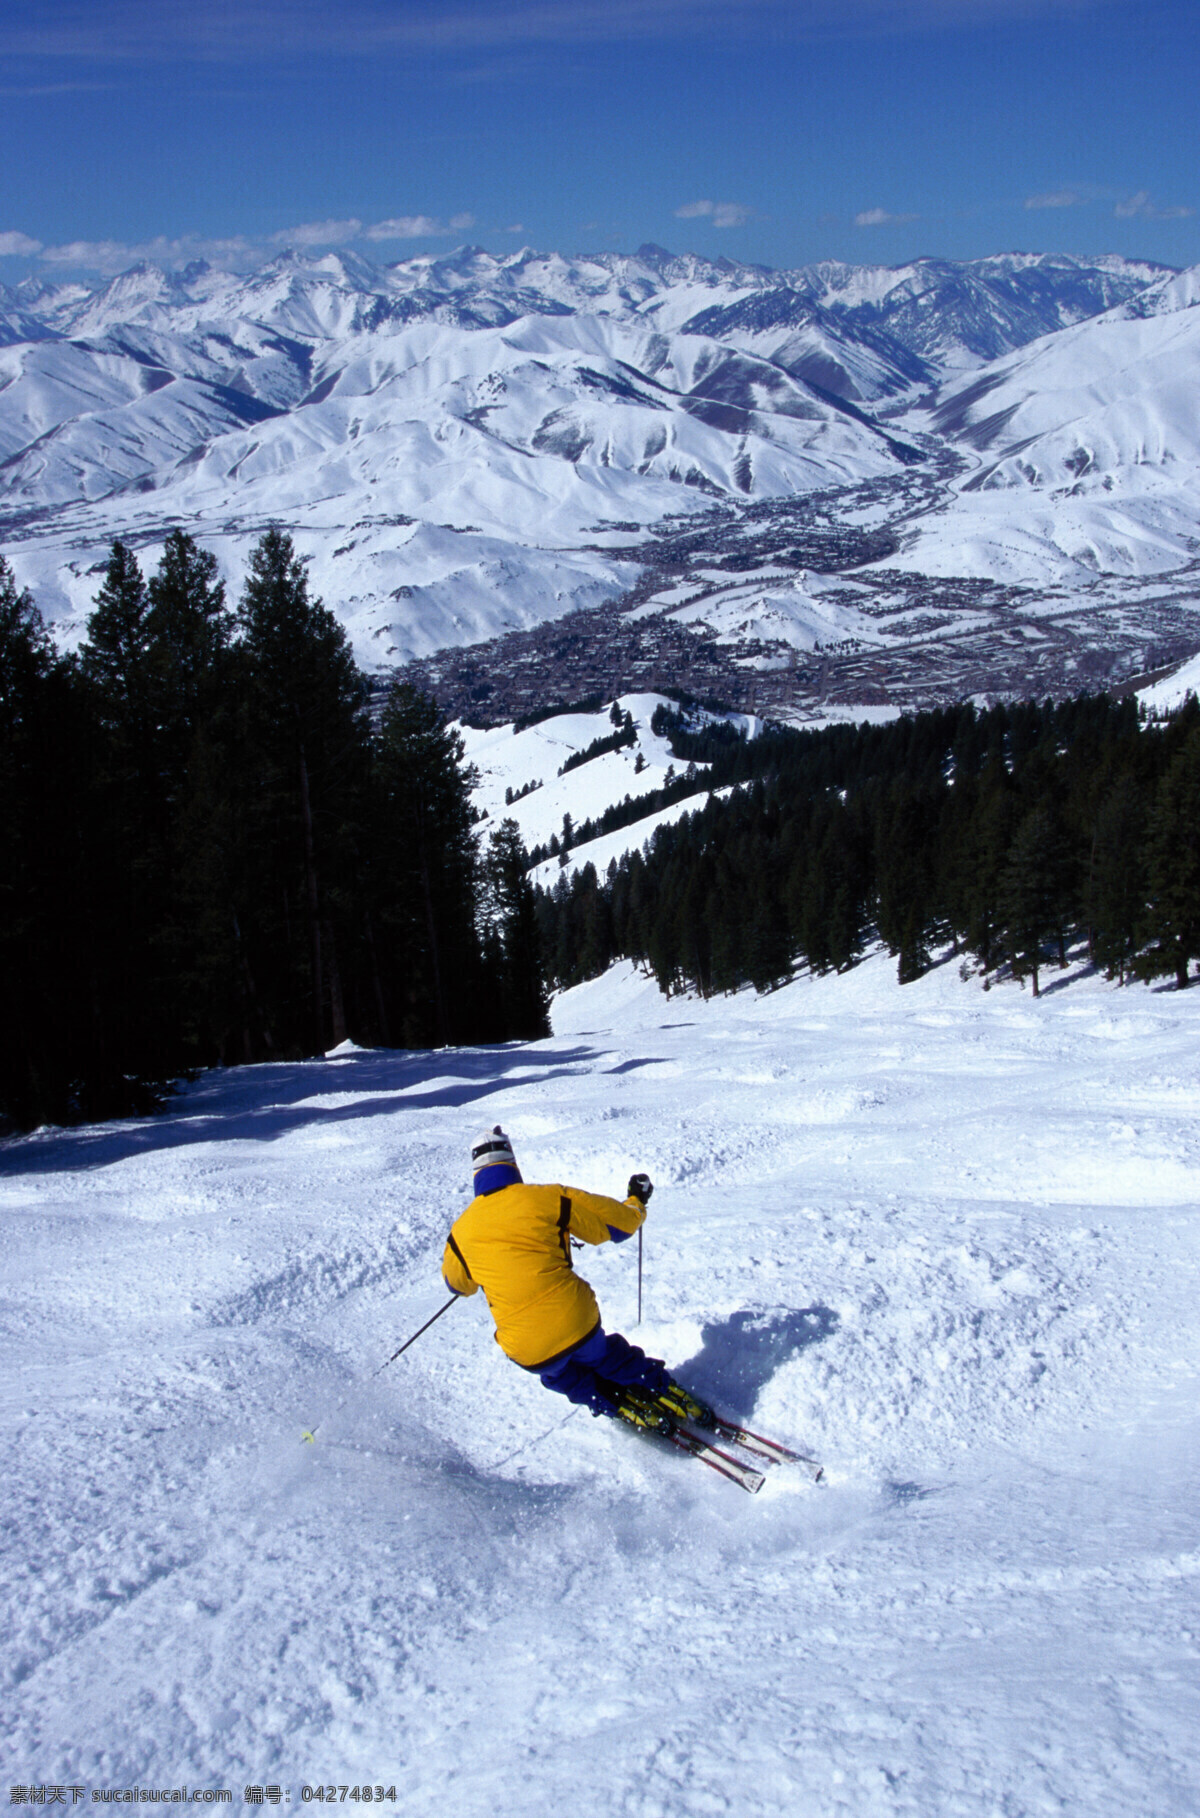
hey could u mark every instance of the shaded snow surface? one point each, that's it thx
(949, 1239)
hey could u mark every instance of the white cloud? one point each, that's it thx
(721, 214)
(319, 233)
(1055, 198)
(1141, 205)
(398, 227)
(518, 227)
(1135, 205)
(879, 217)
(408, 227)
(108, 257)
(40, 91)
(220, 31)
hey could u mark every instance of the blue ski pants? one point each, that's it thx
(602, 1357)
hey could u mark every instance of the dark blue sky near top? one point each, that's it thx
(778, 131)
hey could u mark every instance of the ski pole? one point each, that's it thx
(310, 1433)
(639, 1317)
(416, 1335)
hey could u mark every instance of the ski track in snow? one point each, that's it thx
(948, 1239)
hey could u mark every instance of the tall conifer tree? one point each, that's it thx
(116, 655)
(514, 920)
(427, 882)
(1173, 853)
(308, 724)
(189, 629)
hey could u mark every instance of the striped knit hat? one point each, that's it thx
(493, 1163)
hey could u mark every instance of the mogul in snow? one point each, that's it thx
(514, 1242)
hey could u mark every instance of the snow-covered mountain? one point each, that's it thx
(979, 308)
(466, 444)
(909, 322)
(961, 314)
(1084, 448)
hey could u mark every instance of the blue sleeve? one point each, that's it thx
(618, 1237)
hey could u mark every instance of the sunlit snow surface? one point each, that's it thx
(464, 446)
(1083, 448)
(947, 1238)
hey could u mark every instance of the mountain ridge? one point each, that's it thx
(466, 445)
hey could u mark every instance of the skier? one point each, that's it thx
(514, 1242)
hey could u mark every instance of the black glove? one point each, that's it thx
(640, 1187)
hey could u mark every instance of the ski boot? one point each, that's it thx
(640, 1409)
(679, 1404)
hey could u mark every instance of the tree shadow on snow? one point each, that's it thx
(738, 1356)
(271, 1099)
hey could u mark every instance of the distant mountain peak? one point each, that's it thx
(467, 442)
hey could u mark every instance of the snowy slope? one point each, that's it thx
(506, 760)
(1171, 691)
(606, 847)
(449, 483)
(1084, 450)
(960, 315)
(948, 1238)
(867, 332)
(814, 345)
(800, 611)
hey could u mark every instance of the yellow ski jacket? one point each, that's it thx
(515, 1244)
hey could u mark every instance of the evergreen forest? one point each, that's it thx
(217, 849)
(1006, 834)
(220, 846)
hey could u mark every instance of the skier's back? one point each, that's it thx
(514, 1242)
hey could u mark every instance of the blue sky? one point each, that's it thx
(780, 131)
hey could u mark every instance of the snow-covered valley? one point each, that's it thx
(468, 447)
(948, 1238)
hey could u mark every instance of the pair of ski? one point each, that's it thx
(737, 1470)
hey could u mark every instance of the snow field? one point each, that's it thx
(949, 1239)
(1087, 451)
(505, 759)
(1172, 691)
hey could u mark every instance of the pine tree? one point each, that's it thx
(905, 862)
(427, 881)
(832, 912)
(514, 930)
(202, 771)
(595, 950)
(727, 927)
(1030, 893)
(133, 985)
(308, 727)
(116, 655)
(189, 629)
(73, 923)
(30, 1082)
(1117, 878)
(985, 838)
(1173, 870)
(26, 660)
